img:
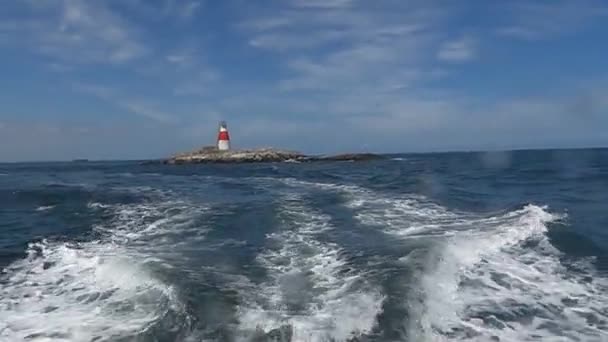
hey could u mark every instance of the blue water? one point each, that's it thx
(503, 246)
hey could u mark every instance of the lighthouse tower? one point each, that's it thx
(223, 139)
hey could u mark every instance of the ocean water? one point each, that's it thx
(503, 246)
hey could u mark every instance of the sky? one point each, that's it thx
(136, 79)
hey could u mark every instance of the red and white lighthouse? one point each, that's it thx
(223, 139)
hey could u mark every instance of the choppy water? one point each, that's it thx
(440, 247)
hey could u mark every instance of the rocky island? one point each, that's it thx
(222, 153)
(214, 155)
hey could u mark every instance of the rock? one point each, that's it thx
(237, 156)
(213, 155)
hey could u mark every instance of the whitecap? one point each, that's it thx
(103, 289)
(485, 284)
(96, 205)
(79, 293)
(487, 277)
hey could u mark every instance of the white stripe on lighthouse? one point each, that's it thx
(223, 145)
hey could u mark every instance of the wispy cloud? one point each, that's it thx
(192, 73)
(353, 59)
(145, 110)
(134, 106)
(334, 44)
(304, 67)
(76, 31)
(199, 83)
(189, 9)
(323, 3)
(161, 10)
(538, 20)
(182, 9)
(460, 50)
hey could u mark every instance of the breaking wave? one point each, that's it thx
(445, 275)
(487, 278)
(105, 289)
(69, 292)
(508, 283)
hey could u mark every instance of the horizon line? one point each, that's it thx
(498, 150)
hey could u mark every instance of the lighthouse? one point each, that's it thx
(223, 139)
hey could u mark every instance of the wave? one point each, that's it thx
(80, 292)
(309, 295)
(45, 208)
(486, 277)
(154, 226)
(508, 283)
(106, 289)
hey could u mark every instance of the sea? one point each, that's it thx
(479, 246)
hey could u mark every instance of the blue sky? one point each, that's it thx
(123, 79)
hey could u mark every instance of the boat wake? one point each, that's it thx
(487, 278)
(309, 293)
(69, 292)
(157, 269)
(102, 290)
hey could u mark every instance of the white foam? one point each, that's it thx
(305, 288)
(481, 282)
(100, 289)
(45, 208)
(485, 284)
(97, 205)
(151, 227)
(409, 215)
(78, 293)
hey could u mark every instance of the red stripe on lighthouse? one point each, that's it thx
(223, 136)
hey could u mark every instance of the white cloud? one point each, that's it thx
(145, 110)
(194, 76)
(535, 20)
(76, 31)
(346, 46)
(199, 84)
(179, 59)
(181, 9)
(264, 24)
(323, 3)
(461, 50)
(189, 9)
(370, 69)
(134, 106)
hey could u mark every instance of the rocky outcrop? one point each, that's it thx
(213, 155)
(238, 156)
